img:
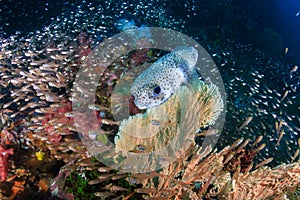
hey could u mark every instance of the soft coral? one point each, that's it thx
(4, 154)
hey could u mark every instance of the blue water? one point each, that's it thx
(284, 17)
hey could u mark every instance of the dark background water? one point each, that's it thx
(26, 16)
(249, 21)
(271, 25)
(281, 16)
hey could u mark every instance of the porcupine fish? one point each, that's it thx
(159, 82)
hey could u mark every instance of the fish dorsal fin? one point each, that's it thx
(190, 54)
(179, 48)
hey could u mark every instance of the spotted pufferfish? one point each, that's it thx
(159, 81)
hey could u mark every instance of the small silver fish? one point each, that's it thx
(246, 122)
(159, 82)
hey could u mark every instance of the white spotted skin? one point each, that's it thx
(168, 73)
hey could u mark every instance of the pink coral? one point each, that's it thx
(84, 45)
(57, 116)
(4, 154)
(141, 54)
(57, 122)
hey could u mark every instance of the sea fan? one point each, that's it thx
(170, 127)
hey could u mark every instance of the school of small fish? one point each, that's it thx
(263, 100)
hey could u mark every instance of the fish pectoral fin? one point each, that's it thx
(193, 81)
(183, 70)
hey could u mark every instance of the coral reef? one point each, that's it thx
(186, 110)
(201, 173)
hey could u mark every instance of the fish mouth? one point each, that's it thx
(144, 107)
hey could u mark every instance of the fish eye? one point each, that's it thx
(156, 90)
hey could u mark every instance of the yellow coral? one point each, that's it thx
(40, 155)
(172, 122)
